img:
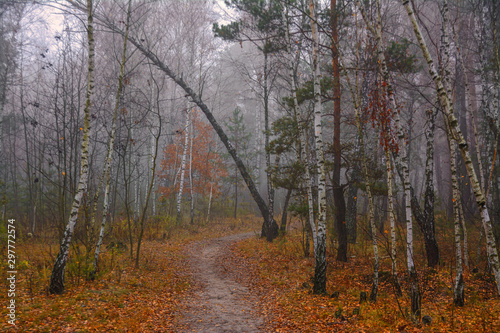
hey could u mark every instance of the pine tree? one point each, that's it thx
(240, 138)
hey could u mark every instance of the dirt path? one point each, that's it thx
(220, 304)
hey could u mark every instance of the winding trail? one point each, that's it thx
(221, 304)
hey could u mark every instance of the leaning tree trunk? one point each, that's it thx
(109, 155)
(183, 168)
(57, 277)
(136, 182)
(444, 100)
(209, 202)
(218, 129)
(320, 250)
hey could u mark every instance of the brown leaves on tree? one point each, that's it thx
(381, 115)
(207, 165)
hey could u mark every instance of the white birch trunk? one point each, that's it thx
(320, 252)
(464, 231)
(57, 277)
(457, 135)
(309, 186)
(496, 120)
(302, 141)
(457, 197)
(191, 135)
(111, 143)
(458, 292)
(403, 157)
(3, 88)
(183, 167)
(392, 222)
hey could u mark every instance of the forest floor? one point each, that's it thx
(221, 277)
(282, 276)
(152, 298)
(245, 284)
(220, 303)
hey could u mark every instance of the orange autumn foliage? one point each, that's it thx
(207, 165)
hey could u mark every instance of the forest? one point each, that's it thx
(250, 165)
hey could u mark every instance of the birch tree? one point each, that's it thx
(191, 193)
(57, 277)
(402, 158)
(320, 249)
(446, 106)
(392, 223)
(301, 141)
(183, 168)
(111, 145)
(458, 290)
